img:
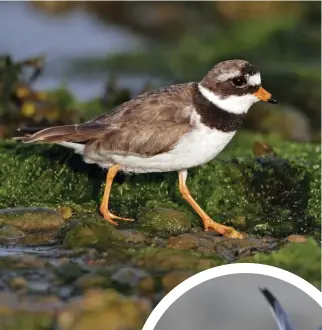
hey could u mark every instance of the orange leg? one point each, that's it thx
(108, 216)
(207, 221)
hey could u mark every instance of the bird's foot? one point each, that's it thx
(109, 217)
(222, 229)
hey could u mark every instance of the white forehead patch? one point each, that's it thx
(228, 75)
(237, 104)
(255, 79)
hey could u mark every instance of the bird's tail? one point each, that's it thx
(51, 134)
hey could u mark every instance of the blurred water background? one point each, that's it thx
(26, 32)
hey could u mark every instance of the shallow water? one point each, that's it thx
(20, 250)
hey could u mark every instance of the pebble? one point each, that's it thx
(297, 238)
(183, 242)
(18, 283)
(174, 278)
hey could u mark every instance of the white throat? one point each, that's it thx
(234, 103)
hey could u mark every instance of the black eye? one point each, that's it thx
(239, 81)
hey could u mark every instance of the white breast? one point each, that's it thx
(194, 148)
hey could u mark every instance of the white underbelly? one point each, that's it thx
(195, 148)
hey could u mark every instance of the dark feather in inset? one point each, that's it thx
(278, 311)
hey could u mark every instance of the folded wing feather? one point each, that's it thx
(147, 125)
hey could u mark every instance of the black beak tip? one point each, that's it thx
(272, 100)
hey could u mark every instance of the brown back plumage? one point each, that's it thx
(149, 124)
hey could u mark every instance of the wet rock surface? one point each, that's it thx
(29, 226)
(64, 286)
(64, 267)
(32, 219)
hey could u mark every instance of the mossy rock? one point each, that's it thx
(91, 232)
(31, 219)
(164, 221)
(33, 175)
(70, 272)
(17, 262)
(276, 195)
(95, 309)
(98, 308)
(163, 260)
(302, 259)
(22, 319)
(8, 232)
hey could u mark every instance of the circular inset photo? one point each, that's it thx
(241, 297)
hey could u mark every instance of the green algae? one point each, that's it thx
(271, 193)
(162, 260)
(302, 259)
(276, 195)
(31, 219)
(99, 308)
(95, 309)
(42, 175)
(91, 232)
(164, 221)
(27, 262)
(87, 281)
(22, 319)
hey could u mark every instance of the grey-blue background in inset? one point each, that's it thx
(234, 302)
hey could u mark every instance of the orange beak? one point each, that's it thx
(265, 96)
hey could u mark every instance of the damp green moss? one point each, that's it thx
(164, 221)
(275, 195)
(302, 259)
(164, 260)
(91, 232)
(21, 319)
(33, 175)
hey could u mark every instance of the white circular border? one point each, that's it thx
(242, 268)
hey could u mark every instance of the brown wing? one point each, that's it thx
(165, 103)
(149, 124)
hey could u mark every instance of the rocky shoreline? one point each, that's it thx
(63, 267)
